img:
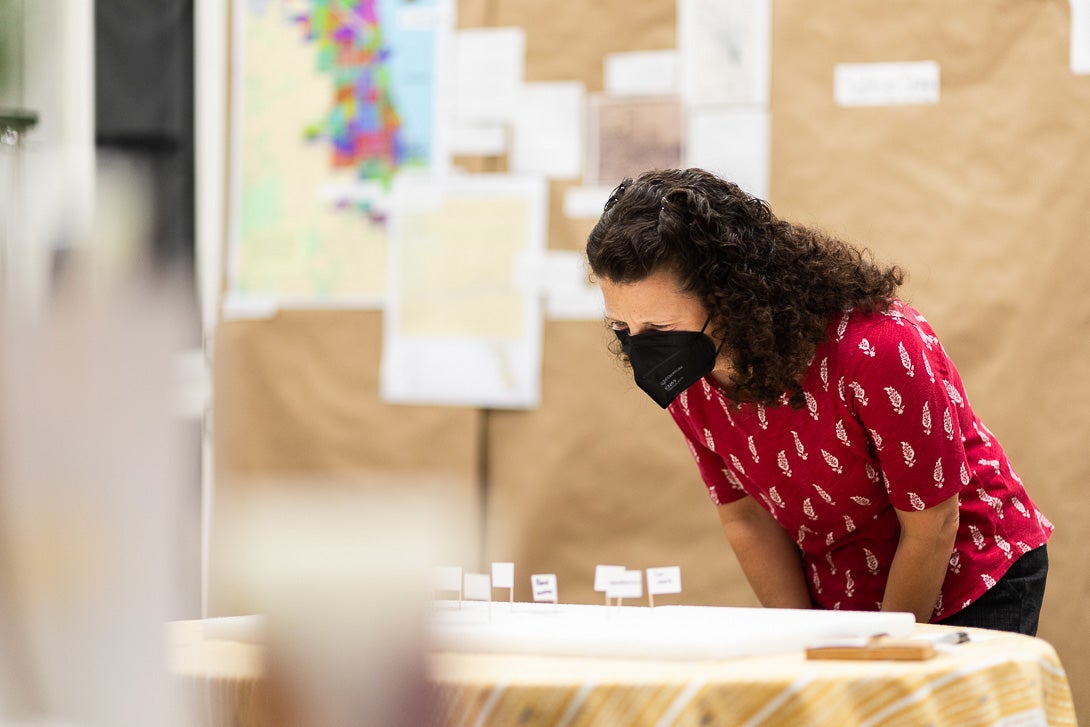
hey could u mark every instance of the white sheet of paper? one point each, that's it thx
(488, 73)
(641, 73)
(448, 578)
(544, 587)
(548, 131)
(453, 293)
(886, 84)
(477, 139)
(478, 587)
(725, 51)
(626, 585)
(1080, 36)
(503, 575)
(606, 574)
(745, 159)
(664, 580)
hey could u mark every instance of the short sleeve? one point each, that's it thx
(906, 392)
(723, 483)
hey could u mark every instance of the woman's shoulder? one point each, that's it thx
(895, 321)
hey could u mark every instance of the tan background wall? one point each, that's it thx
(984, 198)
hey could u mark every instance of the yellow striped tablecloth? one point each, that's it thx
(994, 679)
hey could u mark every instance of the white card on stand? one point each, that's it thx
(664, 580)
(605, 574)
(627, 585)
(478, 587)
(503, 575)
(544, 586)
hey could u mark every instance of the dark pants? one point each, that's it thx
(1014, 602)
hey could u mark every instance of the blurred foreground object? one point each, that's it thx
(343, 578)
(90, 484)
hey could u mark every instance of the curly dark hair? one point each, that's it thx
(772, 287)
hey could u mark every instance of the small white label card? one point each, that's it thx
(503, 575)
(886, 84)
(478, 587)
(606, 574)
(544, 586)
(664, 580)
(448, 578)
(626, 585)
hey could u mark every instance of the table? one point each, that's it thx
(995, 677)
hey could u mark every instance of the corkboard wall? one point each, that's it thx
(983, 198)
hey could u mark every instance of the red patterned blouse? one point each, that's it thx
(886, 425)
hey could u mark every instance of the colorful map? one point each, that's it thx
(337, 96)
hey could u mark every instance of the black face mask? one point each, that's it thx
(666, 363)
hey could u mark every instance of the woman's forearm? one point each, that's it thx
(920, 563)
(769, 558)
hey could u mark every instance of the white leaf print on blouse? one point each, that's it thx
(864, 501)
(953, 393)
(829, 560)
(707, 389)
(753, 450)
(978, 539)
(1019, 506)
(925, 418)
(872, 475)
(802, 534)
(798, 446)
(877, 439)
(833, 463)
(824, 371)
(982, 435)
(994, 502)
(940, 480)
(762, 417)
(948, 424)
(963, 474)
(849, 584)
(737, 464)
(927, 368)
(684, 399)
(988, 580)
(895, 399)
(775, 497)
(842, 327)
(955, 562)
(824, 495)
(906, 360)
(909, 454)
(781, 460)
(860, 394)
(1003, 545)
(840, 389)
(917, 503)
(841, 434)
(814, 577)
(866, 348)
(726, 411)
(808, 509)
(733, 479)
(709, 439)
(811, 404)
(872, 562)
(849, 524)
